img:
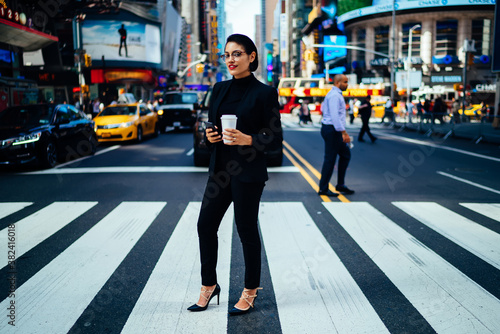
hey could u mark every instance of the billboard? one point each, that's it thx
(349, 9)
(333, 53)
(121, 41)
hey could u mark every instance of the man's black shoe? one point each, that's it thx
(361, 140)
(374, 139)
(344, 190)
(328, 193)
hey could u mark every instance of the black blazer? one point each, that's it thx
(258, 116)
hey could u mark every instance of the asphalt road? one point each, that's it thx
(108, 244)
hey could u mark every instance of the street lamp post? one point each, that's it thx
(408, 63)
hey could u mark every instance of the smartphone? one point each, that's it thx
(210, 125)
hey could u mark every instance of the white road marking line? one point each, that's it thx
(7, 209)
(491, 210)
(469, 182)
(106, 150)
(420, 142)
(54, 298)
(450, 301)
(314, 291)
(190, 152)
(145, 169)
(175, 283)
(477, 239)
(37, 227)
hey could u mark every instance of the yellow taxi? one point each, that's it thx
(378, 108)
(123, 122)
(473, 111)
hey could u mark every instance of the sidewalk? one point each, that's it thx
(474, 130)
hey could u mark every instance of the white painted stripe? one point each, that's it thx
(146, 169)
(106, 150)
(9, 208)
(450, 301)
(420, 142)
(491, 210)
(53, 299)
(190, 152)
(175, 283)
(314, 291)
(477, 239)
(37, 227)
(469, 182)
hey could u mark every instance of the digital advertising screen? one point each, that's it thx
(121, 41)
(331, 53)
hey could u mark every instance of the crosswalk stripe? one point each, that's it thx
(53, 299)
(450, 301)
(314, 291)
(491, 210)
(174, 284)
(9, 208)
(477, 239)
(37, 227)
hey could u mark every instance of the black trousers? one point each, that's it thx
(219, 193)
(365, 129)
(334, 145)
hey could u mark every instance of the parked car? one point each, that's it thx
(122, 122)
(201, 154)
(178, 109)
(45, 133)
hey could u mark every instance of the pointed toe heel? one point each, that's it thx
(213, 293)
(245, 297)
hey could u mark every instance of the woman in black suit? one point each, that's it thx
(237, 170)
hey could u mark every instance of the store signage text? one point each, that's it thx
(446, 78)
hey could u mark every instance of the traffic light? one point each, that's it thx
(85, 89)
(470, 58)
(87, 60)
(200, 68)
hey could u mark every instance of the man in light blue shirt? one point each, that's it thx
(336, 138)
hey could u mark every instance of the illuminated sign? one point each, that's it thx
(122, 40)
(303, 92)
(214, 41)
(120, 75)
(333, 53)
(386, 6)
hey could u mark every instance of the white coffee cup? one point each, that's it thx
(228, 122)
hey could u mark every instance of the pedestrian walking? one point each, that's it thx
(365, 111)
(336, 138)
(351, 111)
(388, 111)
(455, 107)
(237, 170)
(420, 111)
(304, 113)
(409, 108)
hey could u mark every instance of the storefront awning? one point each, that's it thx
(24, 37)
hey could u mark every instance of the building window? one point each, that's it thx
(382, 39)
(415, 39)
(446, 37)
(481, 32)
(361, 34)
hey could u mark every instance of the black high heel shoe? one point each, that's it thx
(245, 296)
(213, 293)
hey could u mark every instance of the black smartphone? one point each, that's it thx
(210, 125)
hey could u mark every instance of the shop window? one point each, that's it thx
(415, 39)
(481, 33)
(382, 39)
(446, 38)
